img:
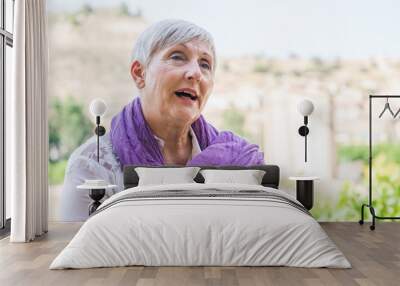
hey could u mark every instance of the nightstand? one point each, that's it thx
(97, 190)
(305, 190)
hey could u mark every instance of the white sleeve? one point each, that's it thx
(82, 165)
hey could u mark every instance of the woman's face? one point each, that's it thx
(178, 81)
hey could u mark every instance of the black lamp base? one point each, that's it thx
(96, 195)
(305, 193)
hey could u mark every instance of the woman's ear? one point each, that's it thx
(137, 73)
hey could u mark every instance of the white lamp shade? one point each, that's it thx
(305, 107)
(98, 107)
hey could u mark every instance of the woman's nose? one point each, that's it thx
(193, 71)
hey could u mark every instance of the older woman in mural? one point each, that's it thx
(173, 66)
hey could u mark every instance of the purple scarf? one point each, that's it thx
(134, 142)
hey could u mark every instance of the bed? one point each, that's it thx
(201, 224)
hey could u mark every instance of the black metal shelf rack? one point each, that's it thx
(369, 205)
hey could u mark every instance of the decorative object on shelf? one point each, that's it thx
(305, 107)
(369, 205)
(97, 190)
(98, 107)
(305, 190)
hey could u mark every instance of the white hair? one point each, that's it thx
(167, 33)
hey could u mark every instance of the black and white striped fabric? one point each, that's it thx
(207, 194)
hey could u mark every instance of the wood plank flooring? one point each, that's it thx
(374, 255)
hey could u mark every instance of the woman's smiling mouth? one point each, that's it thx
(188, 93)
(184, 94)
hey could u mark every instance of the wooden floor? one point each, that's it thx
(374, 255)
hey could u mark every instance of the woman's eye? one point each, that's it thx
(205, 65)
(177, 57)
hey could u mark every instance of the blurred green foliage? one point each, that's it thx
(261, 67)
(348, 153)
(86, 10)
(69, 127)
(385, 185)
(124, 9)
(57, 171)
(234, 120)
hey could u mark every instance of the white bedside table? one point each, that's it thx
(305, 190)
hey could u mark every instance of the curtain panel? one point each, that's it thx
(27, 132)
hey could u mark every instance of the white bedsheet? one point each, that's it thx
(200, 231)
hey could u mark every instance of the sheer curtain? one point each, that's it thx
(27, 133)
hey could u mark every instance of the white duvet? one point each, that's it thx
(182, 231)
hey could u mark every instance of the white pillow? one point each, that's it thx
(249, 177)
(162, 176)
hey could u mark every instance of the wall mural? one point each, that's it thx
(251, 98)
